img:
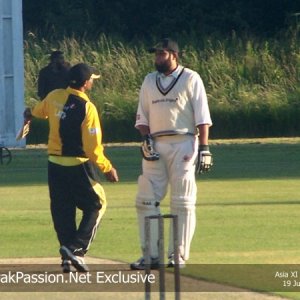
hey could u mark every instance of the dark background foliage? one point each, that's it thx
(247, 52)
(132, 19)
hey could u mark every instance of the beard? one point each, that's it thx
(164, 67)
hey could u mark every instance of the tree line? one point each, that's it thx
(143, 19)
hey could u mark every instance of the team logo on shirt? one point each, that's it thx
(168, 100)
(93, 131)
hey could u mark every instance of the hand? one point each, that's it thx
(204, 160)
(112, 175)
(24, 130)
(148, 150)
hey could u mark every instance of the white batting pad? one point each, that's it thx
(146, 205)
(184, 207)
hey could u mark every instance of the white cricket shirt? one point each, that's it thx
(173, 104)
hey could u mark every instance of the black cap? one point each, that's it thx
(80, 73)
(165, 44)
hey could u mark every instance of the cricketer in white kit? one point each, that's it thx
(173, 118)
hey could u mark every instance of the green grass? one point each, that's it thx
(247, 210)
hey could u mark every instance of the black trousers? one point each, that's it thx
(70, 188)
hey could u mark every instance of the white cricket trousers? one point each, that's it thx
(176, 167)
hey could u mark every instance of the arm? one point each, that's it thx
(142, 115)
(92, 143)
(200, 105)
(41, 110)
(203, 130)
(203, 122)
(143, 129)
(142, 124)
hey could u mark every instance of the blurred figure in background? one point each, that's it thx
(54, 75)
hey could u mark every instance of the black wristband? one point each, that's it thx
(203, 148)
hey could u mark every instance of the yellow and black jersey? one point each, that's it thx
(75, 131)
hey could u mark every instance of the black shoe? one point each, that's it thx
(140, 264)
(77, 261)
(66, 266)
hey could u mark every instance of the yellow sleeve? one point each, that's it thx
(41, 110)
(92, 138)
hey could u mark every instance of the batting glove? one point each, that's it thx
(204, 160)
(148, 150)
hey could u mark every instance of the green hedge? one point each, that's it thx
(230, 123)
(256, 123)
(252, 84)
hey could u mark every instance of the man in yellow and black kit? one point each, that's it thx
(75, 149)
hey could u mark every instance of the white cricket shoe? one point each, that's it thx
(171, 262)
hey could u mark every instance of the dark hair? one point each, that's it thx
(56, 54)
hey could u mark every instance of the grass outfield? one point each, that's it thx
(248, 207)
